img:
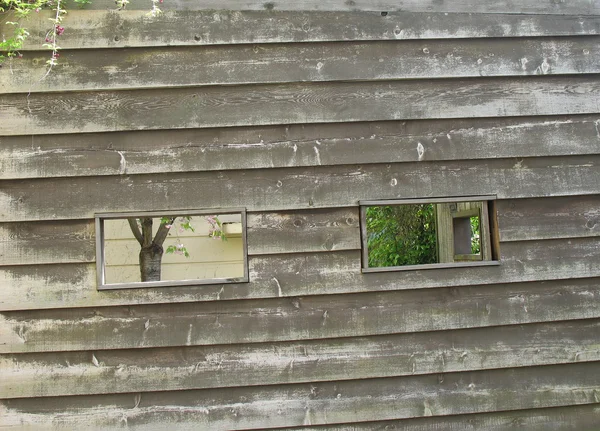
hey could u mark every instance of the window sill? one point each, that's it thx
(432, 266)
(173, 283)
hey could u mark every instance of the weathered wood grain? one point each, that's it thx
(316, 62)
(245, 105)
(578, 7)
(549, 218)
(303, 231)
(47, 242)
(167, 369)
(163, 151)
(70, 241)
(132, 28)
(297, 318)
(316, 404)
(271, 276)
(573, 418)
(297, 188)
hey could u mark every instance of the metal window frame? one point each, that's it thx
(100, 259)
(363, 204)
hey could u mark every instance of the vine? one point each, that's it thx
(11, 45)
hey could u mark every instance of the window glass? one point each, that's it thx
(419, 233)
(150, 249)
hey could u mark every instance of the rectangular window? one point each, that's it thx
(171, 248)
(428, 233)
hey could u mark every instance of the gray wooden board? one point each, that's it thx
(316, 404)
(164, 151)
(27, 243)
(74, 285)
(541, 218)
(131, 28)
(111, 69)
(572, 418)
(245, 105)
(577, 7)
(296, 188)
(297, 318)
(180, 368)
(49, 242)
(302, 231)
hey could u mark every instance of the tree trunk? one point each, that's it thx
(150, 262)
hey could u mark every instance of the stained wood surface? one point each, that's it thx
(182, 368)
(541, 218)
(303, 231)
(112, 69)
(297, 188)
(70, 241)
(74, 285)
(574, 418)
(48, 242)
(219, 106)
(579, 7)
(297, 318)
(317, 404)
(164, 151)
(131, 28)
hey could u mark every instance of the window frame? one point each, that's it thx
(493, 232)
(100, 243)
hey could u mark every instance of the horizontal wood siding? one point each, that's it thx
(295, 146)
(278, 63)
(297, 112)
(290, 275)
(73, 241)
(227, 106)
(319, 404)
(297, 318)
(297, 188)
(573, 7)
(130, 28)
(159, 369)
(574, 418)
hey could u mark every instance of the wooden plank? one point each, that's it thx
(278, 63)
(571, 418)
(226, 106)
(163, 151)
(167, 369)
(70, 241)
(297, 318)
(296, 188)
(303, 231)
(577, 7)
(271, 276)
(542, 218)
(316, 404)
(132, 28)
(47, 242)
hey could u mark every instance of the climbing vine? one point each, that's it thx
(12, 43)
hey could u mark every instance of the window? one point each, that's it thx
(171, 248)
(428, 233)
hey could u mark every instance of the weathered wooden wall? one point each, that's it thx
(297, 113)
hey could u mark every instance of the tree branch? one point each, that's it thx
(146, 231)
(135, 229)
(163, 231)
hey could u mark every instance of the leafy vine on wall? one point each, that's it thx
(17, 11)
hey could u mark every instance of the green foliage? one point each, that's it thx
(401, 235)
(10, 44)
(475, 236)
